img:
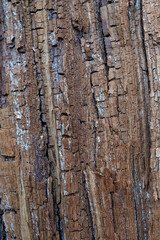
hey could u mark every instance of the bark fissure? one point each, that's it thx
(3, 234)
(113, 212)
(94, 99)
(89, 207)
(95, 144)
(141, 165)
(98, 5)
(146, 100)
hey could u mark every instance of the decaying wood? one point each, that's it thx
(79, 119)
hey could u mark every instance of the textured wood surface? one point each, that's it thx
(79, 119)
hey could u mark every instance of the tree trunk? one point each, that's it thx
(79, 119)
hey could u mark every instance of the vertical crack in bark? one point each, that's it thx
(60, 226)
(136, 197)
(95, 128)
(95, 145)
(141, 175)
(98, 5)
(57, 216)
(94, 99)
(143, 42)
(146, 100)
(89, 206)
(49, 123)
(113, 212)
(141, 209)
(145, 213)
(3, 235)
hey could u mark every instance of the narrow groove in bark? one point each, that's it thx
(146, 98)
(60, 226)
(113, 212)
(89, 208)
(56, 207)
(94, 99)
(98, 5)
(135, 16)
(3, 234)
(95, 145)
(134, 196)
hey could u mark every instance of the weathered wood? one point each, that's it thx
(79, 119)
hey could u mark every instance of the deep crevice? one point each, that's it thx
(134, 196)
(141, 163)
(95, 145)
(3, 234)
(94, 99)
(57, 215)
(98, 5)
(145, 97)
(113, 212)
(89, 207)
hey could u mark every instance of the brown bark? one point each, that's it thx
(79, 119)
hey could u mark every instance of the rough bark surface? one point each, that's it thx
(79, 119)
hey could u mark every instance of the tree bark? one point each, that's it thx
(79, 119)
